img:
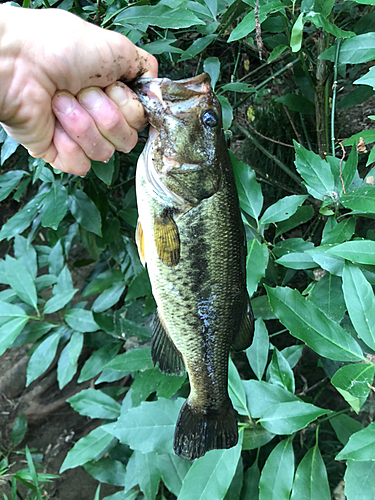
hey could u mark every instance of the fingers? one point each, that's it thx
(81, 127)
(109, 119)
(128, 104)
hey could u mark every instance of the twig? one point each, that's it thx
(278, 162)
(288, 114)
(334, 91)
(258, 32)
(269, 138)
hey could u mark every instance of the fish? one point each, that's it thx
(191, 238)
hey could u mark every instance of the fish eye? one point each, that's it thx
(209, 118)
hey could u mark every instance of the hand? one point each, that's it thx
(54, 67)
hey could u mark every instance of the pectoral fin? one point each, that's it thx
(167, 239)
(244, 336)
(164, 352)
(140, 241)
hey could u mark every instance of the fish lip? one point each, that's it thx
(151, 88)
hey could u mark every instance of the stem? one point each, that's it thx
(270, 78)
(334, 91)
(336, 414)
(305, 132)
(278, 162)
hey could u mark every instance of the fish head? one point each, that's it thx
(187, 133)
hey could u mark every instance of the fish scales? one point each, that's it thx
(191, 237)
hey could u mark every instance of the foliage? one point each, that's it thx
(310, 264)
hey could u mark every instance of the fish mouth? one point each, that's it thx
(165, 91)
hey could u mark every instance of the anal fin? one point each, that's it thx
(164, 352)
(243, 338)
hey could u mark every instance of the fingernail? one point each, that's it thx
(63, 103)
(91, 99)
(119, 95)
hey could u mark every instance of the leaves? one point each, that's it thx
(85, 212)
(307, 323)
(355, 50)
(249, 192)
(55, 205)
(21, 281)
(210, 476)
(95, 404)
(87, 448)
(277, 474)
(362, 252)
(353, 382)
(361, 445)
(42, 357)
(148, 427)
(360, 302)
(282, 209)
(257, 353)
(311, 481)
(256, 264)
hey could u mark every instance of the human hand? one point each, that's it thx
(54, 67)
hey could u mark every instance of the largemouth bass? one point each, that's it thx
(191, 237)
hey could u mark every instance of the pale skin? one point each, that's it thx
(62, 94)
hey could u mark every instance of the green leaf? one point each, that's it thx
(257, 353)
(250, 487)
(160, 16)
(357, 96)
(328, 296)
(297, 260)
(338, 232)
(87, 448)
(256, 264)
(85, 212)
(236, 390)
(81, 320)
(276, 478)
(344, 426)
(148, 427)
(353, 383)
(10, 311)
(104, 171)
(107, 470)
(297, 33)
(359, 480)
(226, 111)
(173, 470)
(282, 209)
(23, 218)
(324, 7)
(280, 373)
(367, 79)
(238, 87)
(95, 404)
(360, 251)
(360, 302)
(8, 148)
(320, 22)
(59, 301)
(19, 429)
(311, 481)
(26, 254)
(297, 102)
(67, 365)
(42, 357)
(327, 261)
(131, 361)
(211, 65)
(355, 50)
(290, 417)
(109, 297)
(361, 446)
(361, 199)
(21, 281)
(197, 47)
(367, 136)
(148, 381)
(97, 361)
(162, 46)
(255, 436)
(142, 470)
(315, 172)
(210, 476)
(55, 205)
(261, 396)
(276, 52)
(10, 331)
(307, 323)
(9, 181)
(249, 190)
(103, 282)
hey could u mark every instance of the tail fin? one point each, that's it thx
(197, 432)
